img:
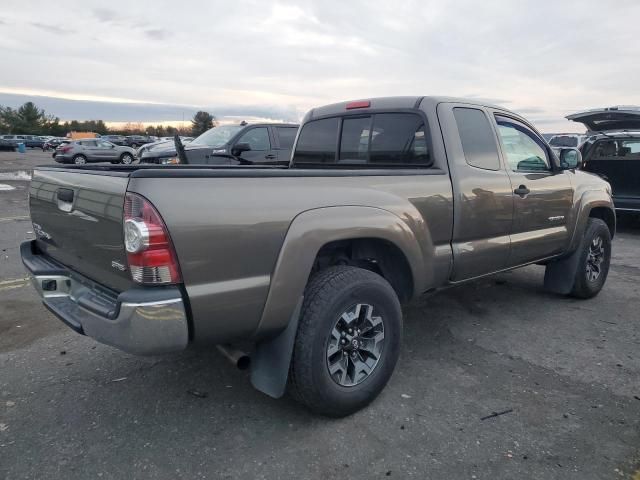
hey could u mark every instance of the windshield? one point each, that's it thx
(217, 136)
(563, 141)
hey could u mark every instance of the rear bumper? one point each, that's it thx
(142, 321)
(62, 158)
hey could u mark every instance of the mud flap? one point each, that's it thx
(270, 360)
(560, 275)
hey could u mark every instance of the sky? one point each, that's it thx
(161, 60)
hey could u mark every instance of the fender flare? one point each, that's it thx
(307, 234)
(589, 200)
(560, 274)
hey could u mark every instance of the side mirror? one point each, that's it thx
(238, 148)
(570, 158)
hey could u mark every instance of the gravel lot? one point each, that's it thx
(567, 373)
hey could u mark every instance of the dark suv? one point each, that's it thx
(259, 143)
(135, 141)
(116, 139)
(612, 150)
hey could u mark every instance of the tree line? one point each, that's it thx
(29, 119)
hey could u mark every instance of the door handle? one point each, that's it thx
(270, 156)
(65, 199)
(522, 190)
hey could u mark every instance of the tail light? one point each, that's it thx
(66, 148)
(150, 253)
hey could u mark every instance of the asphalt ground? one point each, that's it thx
(498, 379)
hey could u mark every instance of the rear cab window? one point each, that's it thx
(376, 140)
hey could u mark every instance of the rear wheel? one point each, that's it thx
(126, 159)
(79, 159)
(593, 264)
(348, 341)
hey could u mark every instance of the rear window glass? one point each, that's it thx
(400, 139)
(354, 142)
(286, 136)
(383, 139)
(478, 140)
(563, 141)
(317, 142)
(619, 149)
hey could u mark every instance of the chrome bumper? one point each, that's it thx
(140, 321)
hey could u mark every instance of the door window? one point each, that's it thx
(523, 150)
(286, 136)
(257, 138)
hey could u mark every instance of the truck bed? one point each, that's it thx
(228, 225)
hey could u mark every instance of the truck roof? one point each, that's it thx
(394, 102)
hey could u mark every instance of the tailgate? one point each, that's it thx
(77, 220)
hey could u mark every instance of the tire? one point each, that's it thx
(595, 251)
(332, 295)
(79, 159)
(126, 159)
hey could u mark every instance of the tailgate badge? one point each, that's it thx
(118, 266)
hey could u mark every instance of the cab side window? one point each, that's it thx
(523, 150)
(286, 136)
(477, 138)
(257, 138)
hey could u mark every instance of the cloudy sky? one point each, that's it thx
(157, 60)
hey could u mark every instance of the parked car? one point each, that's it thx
(6, 145)
(134, 141)
(93, 150)
(613, 151)
(383, 199)
(30, 141)
(259, 143)
(54, 142)
(116, 139)
(169, 149)
(567, 140)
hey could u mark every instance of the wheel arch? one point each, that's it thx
(366, 231)
(359, 231)
(592, 204)
(607, 215)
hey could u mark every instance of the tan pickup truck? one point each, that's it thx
(309, 262)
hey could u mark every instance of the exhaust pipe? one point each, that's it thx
(237, 357)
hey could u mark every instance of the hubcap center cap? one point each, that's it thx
(355, 345)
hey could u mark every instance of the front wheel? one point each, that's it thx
(348, 341)
(593, 263)
(126, 159)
